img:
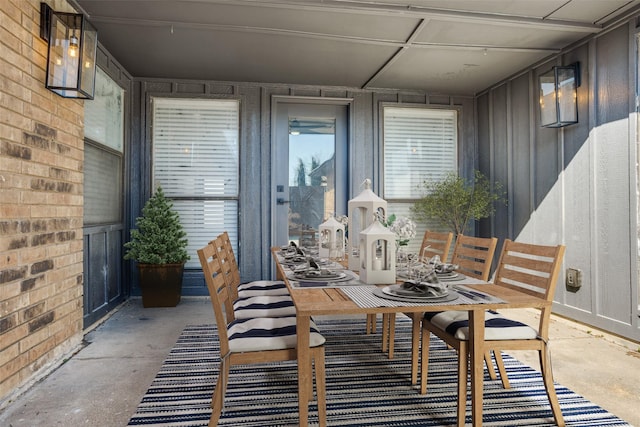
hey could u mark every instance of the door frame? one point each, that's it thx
(276, 102)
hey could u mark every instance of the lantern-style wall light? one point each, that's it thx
(377, 255)
(559, 96)
(331, 239)
(362, 210)
(71, 58)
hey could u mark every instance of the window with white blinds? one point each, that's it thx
(419, 144)
(195, 160)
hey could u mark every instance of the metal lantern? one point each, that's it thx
(362, 210)
(71, 58)
(559, 96)
(377, 255)
(331, 239)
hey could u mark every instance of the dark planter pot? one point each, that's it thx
(161, 284)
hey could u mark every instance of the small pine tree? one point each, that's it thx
(159, 237)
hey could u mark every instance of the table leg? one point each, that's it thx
(305, 377)
(476, 347)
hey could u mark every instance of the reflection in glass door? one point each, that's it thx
(311, 176)
(309, 170)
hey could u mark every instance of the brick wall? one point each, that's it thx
(41, 155)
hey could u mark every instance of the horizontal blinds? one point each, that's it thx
(195, 146)
(195, 160)
(419, 144)
(203, 220)
(102, 186)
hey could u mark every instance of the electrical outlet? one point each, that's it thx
(573, 279)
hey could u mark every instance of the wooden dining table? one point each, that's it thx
(325, 301)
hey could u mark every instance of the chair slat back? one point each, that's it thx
(218, 292)
(529, 268)
(229, 265)
(436, 243)
(474, 255)
(532, 269)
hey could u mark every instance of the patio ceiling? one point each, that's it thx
(440, 46)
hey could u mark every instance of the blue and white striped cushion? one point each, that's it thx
(267, 333)
(264, 306)
(497, 327)
(262, 287)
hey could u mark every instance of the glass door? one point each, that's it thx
(310, 170)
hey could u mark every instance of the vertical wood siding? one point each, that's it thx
(576, 185)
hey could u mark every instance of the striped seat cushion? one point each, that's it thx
(262, 287)
(497, 327)
(268, 333)
(264, 306)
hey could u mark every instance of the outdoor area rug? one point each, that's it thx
(364, 387)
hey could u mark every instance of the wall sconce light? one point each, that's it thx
(71, 58)
(559, 96)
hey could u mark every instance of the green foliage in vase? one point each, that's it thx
(453, 201)
(159, 237)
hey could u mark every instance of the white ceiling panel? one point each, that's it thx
(591, 10)
(271, 58)
(526, 37)
(449, 71)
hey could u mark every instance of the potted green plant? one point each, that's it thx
(159, 246)
(453, 201)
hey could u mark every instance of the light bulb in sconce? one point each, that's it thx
(73, 46)
(87, 64)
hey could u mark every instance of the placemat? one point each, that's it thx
(365, 297)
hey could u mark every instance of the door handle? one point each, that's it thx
(281, 201)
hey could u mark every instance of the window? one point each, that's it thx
(195, 160)
(104, 131)
(419, 144)
(104, 115)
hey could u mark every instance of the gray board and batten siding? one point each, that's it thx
(576, 185)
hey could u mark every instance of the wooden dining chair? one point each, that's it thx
(528, 268)
(474, 256)
(433, 243)
(436, 243)
(250, 303)
(254, 340)
(253, 288)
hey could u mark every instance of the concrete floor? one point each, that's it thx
(103, 383)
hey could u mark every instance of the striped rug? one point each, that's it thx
(364, 388)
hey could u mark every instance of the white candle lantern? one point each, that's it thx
(378, 255)
(331, 239)
(362, 211)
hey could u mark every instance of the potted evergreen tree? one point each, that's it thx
(453, 202)
(159, 246)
